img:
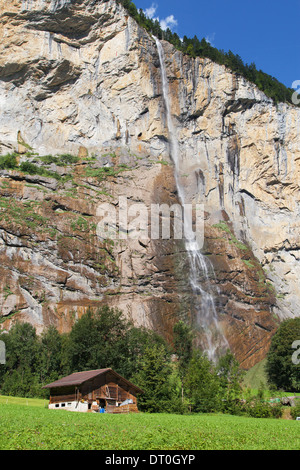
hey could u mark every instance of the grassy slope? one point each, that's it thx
(256, 376)
(256, 379)
(27, 424)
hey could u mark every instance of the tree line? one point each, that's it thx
(175, 378)
(194, 47)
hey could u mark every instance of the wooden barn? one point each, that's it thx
(101, 390)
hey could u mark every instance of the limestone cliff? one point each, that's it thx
(82, 78)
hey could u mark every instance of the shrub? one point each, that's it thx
(60, 160)
(259, 409)
(256, 407)
(32, 169)
(68, 159)
(276, 411)
(48, 159)
(295, 411)
(8, 162)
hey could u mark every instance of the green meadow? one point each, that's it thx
(27, 424)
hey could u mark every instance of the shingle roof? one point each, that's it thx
(79, 378)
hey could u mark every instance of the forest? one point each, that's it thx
(176, 378)
(195, 47)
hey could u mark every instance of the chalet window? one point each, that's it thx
(63, 405)
(57, 405)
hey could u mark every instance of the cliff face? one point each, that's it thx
(80, 77)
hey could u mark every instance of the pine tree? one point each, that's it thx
(183, 348)
(154, 378)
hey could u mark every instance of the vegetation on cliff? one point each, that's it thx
(194, 47)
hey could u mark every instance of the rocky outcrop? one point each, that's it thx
(82, 78)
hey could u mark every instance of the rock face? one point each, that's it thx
(82, 78)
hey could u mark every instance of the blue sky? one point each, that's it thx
(262, 31)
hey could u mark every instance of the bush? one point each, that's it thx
(277, 411)
(49, 159)
(257, 407)
(8, 162)
(67, 159)
(295, 411)
(32, 169)
(60, 160)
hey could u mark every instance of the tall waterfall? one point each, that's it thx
(213, 341)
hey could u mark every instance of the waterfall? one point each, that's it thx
(213, 341)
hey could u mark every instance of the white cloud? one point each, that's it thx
(150, 12)
(168, 22)
(210, 38)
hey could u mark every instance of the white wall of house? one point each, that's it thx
(70, 406)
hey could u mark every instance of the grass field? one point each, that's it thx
(29, 425)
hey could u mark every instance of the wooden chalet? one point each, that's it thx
(101, 390)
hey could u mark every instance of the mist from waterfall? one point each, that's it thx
(213, 340)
